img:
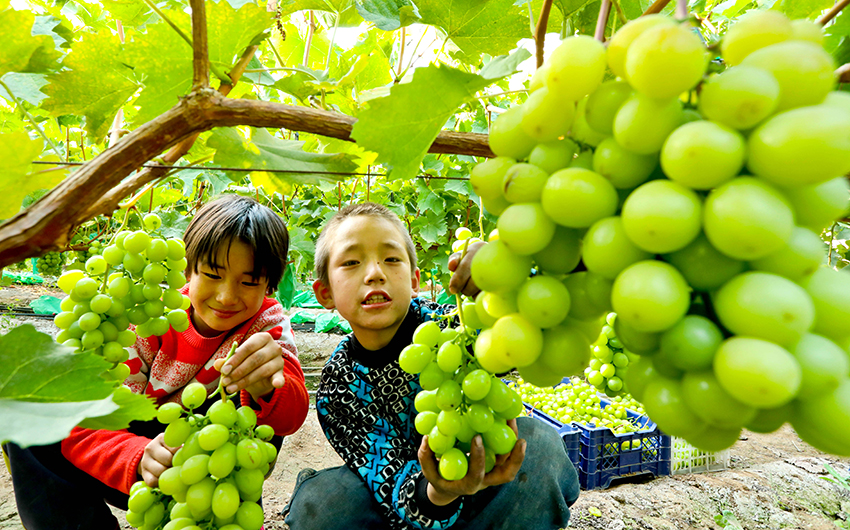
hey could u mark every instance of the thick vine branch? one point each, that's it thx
(540, 30)
(602, 20)
(836, 9)
(200, 57)
(656, 7)
(110, 201)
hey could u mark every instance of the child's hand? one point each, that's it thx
(155, 460)
(442, 491)
(256, 366)
(461, 281)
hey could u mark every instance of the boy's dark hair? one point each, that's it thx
(231, 217)
(323, 245)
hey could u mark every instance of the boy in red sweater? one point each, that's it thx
(236, 253)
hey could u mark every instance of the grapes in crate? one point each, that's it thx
(689, 200)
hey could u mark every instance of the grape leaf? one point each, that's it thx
(24, 86)
(20, 50)
(802, 8)
(163, 60)
(231, 30)
(54, 28)
(129, 12)
(478, 26)
(430, 227)
(35, 368)
(17, 180)
(431, 98)
(95, 84)
(388, 15)
(428, 200)
(131, 407)
(173, 224)
(27, 423)
(333, 6)
(264, 151)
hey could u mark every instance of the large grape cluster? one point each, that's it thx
(50, 264)
(123, 286)
(689, 203)
(216, 477)
(459, 399)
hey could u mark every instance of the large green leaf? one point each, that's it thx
(95, 85)
(802, 8)
(26, 423)
(478, 26)
(230, 30)
(332, 6)
(25, 87)
(20, 50)
(131, 407)
(164, 61)
(401, 126)
(263, 151)
(129, 12)
(34, 368)
(17, 178)
(388, 15)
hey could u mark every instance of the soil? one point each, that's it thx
(773, 481)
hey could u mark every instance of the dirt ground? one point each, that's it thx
(774, 481)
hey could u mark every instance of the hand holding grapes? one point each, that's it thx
(461, 281)
(442, 491)
(256, 366)
(156, 459)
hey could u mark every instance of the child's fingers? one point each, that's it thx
(506, 472)
(427, 460)
(266, 371)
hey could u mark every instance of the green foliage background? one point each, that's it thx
(66, 71)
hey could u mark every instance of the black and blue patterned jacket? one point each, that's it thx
(365, 407)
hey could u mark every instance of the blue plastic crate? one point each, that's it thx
(606, 456)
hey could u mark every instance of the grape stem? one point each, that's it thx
(656, 7)
(681, 9)
(220, 387)
(457, 296)
(602, 20)
(540, 30)
(836, 9)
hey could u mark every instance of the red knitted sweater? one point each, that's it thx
(162, 366)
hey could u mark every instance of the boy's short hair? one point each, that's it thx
(322, 256)
(231, 217)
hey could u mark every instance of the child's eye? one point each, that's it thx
(250, 284)
(212, 276)
(349, 263)
(393, 259)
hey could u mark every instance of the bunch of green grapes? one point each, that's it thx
(459, 399)
(95, 247)
(609, 361)
(576, 402)
(693, 210)
(50, 264)
(124, 286)
(216, 477)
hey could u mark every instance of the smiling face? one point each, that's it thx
(370, 278)
(224, 294)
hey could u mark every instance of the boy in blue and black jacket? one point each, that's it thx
(366, 269)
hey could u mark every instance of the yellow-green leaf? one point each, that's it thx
(95, 83)
(17, 177)
(478, 26)
(20, 51)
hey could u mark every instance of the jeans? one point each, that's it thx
(539, 496)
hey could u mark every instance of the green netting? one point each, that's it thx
(27, 278)
(46, 305)
(306, 299)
